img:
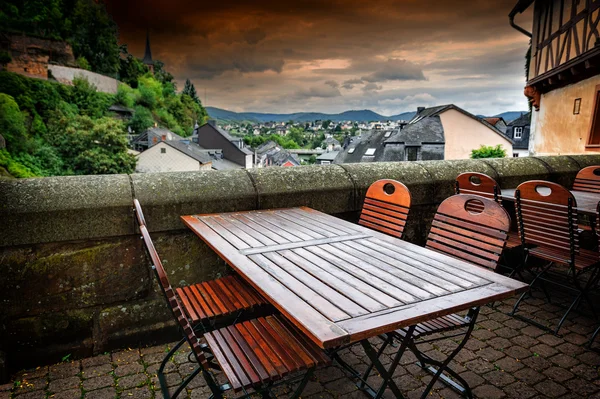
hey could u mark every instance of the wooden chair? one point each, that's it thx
(588, 179)
(483, 185)
(474, 229)
(219, 302)
(595, 334)
(547, 219)
(386, 207)
(254, 355)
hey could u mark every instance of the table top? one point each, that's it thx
(340, 282)
(586, 202)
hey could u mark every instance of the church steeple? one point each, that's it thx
(148, 54)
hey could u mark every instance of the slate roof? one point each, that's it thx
(148, 53)
(225, 164)
(328, 156)
(192, 150)
(275, 154)
(147, 136)
(426, 131)
(355, 152)
(433, 111)
(523, 120)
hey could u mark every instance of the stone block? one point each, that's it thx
(326, 188)
(562, 169)
(55, 209)
(514, 171)
(71, 275)
(167, 196)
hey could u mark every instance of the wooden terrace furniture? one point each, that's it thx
(386, 207)
(342, 283)
(588, 180)
(595, 334)
(547, 218)
(254, 355)
(483, 185)
(473, 229)
(219, 302)
(586, 201)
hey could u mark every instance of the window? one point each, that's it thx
(387, 134)
(411, 153)
(370, 151)
(163, 150)
(515, 155)
(351, 150)
(518, 133)
(594, 139)
(325, 162)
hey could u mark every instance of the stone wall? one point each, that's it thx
(65, 75)
(31, 55)
(74, 277)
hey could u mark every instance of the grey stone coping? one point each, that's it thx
(59, 209)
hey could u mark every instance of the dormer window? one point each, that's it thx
(370, 151)
(518, 133)
(351, 150)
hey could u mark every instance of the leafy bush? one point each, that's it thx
(12, 123)
(125, 96)
(142, 119)
(83, 63)
(489, 152)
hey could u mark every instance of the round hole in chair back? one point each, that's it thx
(543, 190)
(474, 206)
(475, 180)
(597, 171)
(389, 188)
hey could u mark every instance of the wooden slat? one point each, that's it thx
(255, 346)
(408, 315)
(257, 365)
(226, 235)
(322, 272)
(315, 293)
(235, 382)
(586, 202)
(292, 245)
(266, 347)
(257, 234)
(410, 276)
(266, 225)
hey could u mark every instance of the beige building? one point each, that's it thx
(173, 156)
(564, 76)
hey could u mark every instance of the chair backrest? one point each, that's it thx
(477, 184)
(386, 207)
(588, 179)
(138, 212)
(168, 291)
(475, 236)
(547, 216)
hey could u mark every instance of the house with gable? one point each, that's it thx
(442, 132)
(518, 131)
(234, 150)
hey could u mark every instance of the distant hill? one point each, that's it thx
(510, 116)
(360, 116)
(364, 115)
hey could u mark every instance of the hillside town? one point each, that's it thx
(299, 200)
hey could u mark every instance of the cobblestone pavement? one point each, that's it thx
(505, 358)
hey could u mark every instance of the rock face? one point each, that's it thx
(74, 277)
(31, 55)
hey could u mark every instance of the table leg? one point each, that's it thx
(386, 375)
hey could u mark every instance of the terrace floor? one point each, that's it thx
(505, 358)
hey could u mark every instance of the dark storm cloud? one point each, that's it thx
(279, 47)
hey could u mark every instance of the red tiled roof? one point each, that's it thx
(492, 121)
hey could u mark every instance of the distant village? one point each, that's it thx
(434, 133)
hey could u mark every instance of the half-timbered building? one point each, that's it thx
(563, 83)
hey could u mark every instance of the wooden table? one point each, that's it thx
(586, 202)
(340, 282)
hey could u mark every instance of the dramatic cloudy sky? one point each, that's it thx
(330, 56)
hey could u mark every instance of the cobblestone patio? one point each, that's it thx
(505, 358)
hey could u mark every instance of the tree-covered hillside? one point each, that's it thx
(53, 129)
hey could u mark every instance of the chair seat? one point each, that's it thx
(513, 240)
(262, 350)
(441, 324)
(584, 259)
(218, 298)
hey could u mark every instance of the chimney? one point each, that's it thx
(420, 109)
(212, 122)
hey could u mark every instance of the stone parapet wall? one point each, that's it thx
(74, 277)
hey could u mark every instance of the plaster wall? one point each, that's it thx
(463, 134)
(555, 129)
(66, 75)
(154, 160)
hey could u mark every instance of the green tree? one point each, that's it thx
(489, 152)
(12, 124)
(190, 90)
(94, 146)
(130, 68)
(142, 119)
(326, 124)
